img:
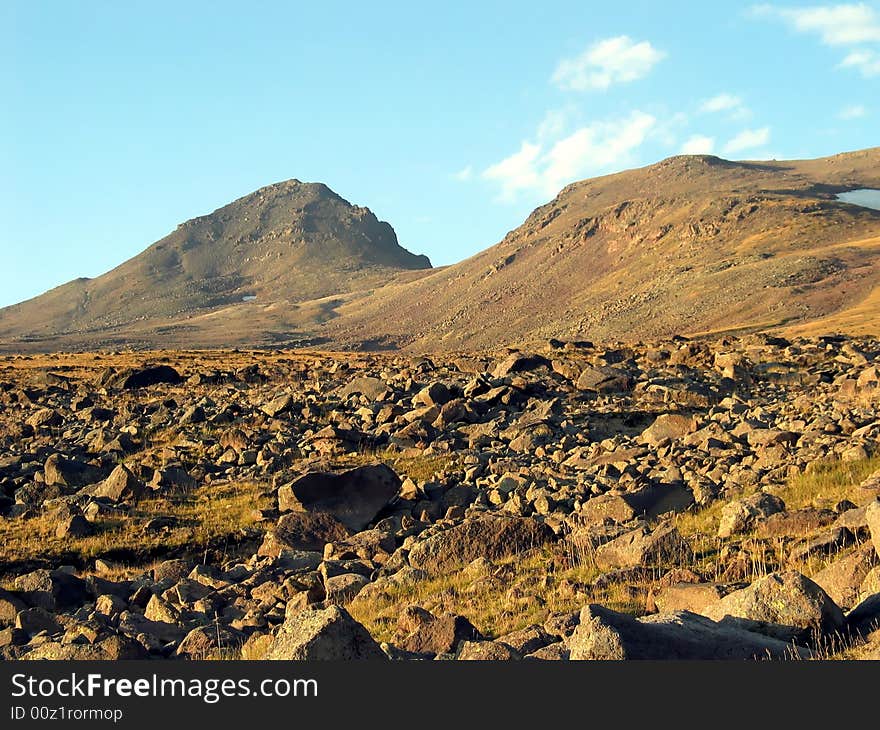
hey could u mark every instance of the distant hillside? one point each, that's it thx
(688, 245)
(285, 243)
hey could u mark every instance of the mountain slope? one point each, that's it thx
(688, 245)
(289, 242)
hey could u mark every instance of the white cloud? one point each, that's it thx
(728, 103)
(836, 25)
(517, 172)
(853, 25)
(721, 103)
(610, 61)
(856, 111)
(698, 145)
(465, 174)
(868, 62)
(748, 139)
(553, 124)
(544, 168)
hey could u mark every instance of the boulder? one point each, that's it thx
(603, 634)
(210, 642)
(10, 606)
(421, 632)
(353, 497)
(371, 388)
(69, 472)
(491, 537)
(865, 617)
(324, 634)
(74, 526)
(34, 620)
(741, 515)
(132, 378)
(642, 547)
(651, 501)
(788, 606)
(486, 651)
(121, 486)
(519, 362)
(668, 426)
(693, 597)
(528, 640)
(603, 380)
(278, 405)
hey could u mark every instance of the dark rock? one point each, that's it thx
(491, 537)
(353, 497)
(132, 378)
(303, 531)
(519, 362)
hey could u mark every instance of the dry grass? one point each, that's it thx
(514, 593)
(413, 463)
(828, 483)
(204, 518)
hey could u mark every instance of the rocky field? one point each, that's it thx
(676, 499)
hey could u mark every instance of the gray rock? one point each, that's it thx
(326, 634)
(787, 605)
(603, 634)
(741, 515)
(642, 547)
(121, 486)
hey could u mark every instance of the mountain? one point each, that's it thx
(690, 245)
(284, 244)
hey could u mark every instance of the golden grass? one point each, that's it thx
(413, 464)
(828, 483)
(517, 592)
(204, 517)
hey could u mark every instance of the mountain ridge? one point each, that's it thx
(691, 244)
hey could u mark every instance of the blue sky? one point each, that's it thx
(451, 121)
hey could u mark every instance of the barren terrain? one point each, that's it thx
(668, 499)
